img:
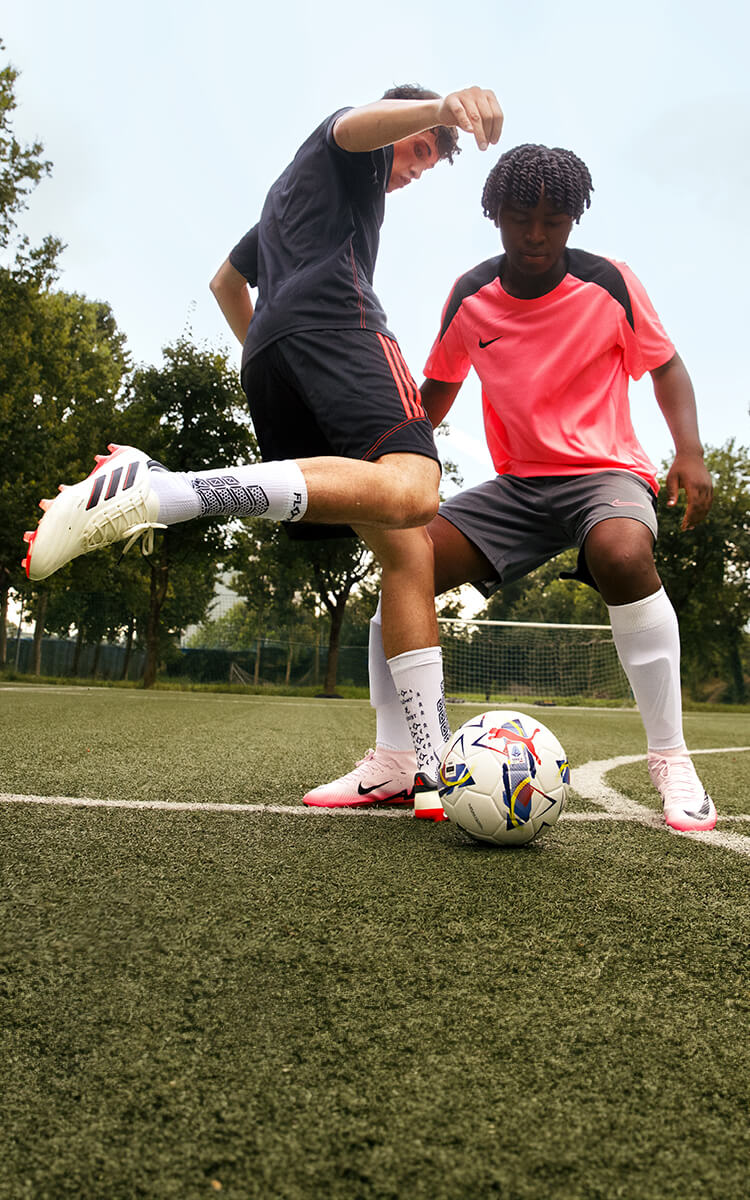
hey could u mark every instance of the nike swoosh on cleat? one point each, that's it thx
(484, 345)
(363, 791)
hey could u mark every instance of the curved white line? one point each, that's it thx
(588, 781)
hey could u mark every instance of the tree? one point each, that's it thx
(23, 273)
(191, 415)
(544, 596)
(62, 366)
(706, 572)
(284, 578)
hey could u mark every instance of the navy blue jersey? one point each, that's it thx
(312, 254)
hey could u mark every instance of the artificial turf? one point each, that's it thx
(276, 1006)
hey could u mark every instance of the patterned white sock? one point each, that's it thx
(391, 728)
(647, 639)
(418, 676)
(274, 490)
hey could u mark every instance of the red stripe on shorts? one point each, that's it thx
(407, 388)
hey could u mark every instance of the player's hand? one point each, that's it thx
(689, 471)
(475, 110)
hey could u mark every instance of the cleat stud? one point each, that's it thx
(113, 446)
(62, 486)
(99, 458)
(44, 504)
(29, 535)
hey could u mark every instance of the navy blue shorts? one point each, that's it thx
(343, 392)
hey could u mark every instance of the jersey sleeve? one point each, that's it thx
(244, 256)
(367, 167)
(647, 345)
(448, 360)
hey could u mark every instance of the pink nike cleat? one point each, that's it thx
(115, 501)
(381, 777)
(686, 803)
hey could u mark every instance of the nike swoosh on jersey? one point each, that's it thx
(484, 345)
(626, 504)
(363, 791)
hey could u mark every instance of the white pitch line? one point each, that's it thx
(588, 781)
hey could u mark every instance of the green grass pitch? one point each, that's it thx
(261, 1005)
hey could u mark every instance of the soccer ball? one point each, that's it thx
(504, 777)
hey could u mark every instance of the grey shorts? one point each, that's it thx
(518, 524)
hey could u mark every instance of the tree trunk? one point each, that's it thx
(97, 656)
(158, 592)
(334, 640)
(4, 590)
(256, 672)
(77, 652)
(41, 612)
(737, 673)
(128, 648)
(289, 656)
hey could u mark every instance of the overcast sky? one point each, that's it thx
(166, 123)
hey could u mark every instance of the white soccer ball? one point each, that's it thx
(504, 777)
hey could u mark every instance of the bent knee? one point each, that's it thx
(411, 495)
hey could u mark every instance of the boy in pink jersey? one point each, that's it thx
(555, 335)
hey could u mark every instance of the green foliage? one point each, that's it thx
(543, 596)
(706, 572)
(62, 365)
(284, 581)
(189, 414)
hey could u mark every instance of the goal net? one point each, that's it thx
(498, 660)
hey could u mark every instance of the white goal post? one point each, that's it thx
(497, 660)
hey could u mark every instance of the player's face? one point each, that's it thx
(534, 238)
(412, 156)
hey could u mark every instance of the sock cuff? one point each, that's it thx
(297, 491)
(429, 656)
(649, 613)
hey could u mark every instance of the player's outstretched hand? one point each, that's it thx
(689, 471)
(475, 110)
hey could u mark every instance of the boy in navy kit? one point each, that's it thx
(337, 414)
(554, 335)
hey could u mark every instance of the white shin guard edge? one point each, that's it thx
(391, 729)
(647, 640)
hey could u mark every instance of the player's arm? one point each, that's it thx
(233, 297)
(676, 399)
(437, 399)
(474, 109)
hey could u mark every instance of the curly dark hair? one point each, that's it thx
(446, 136)
(520, 173)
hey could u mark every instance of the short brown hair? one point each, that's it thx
(446, 136)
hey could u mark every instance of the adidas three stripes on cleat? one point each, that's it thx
(115, 501)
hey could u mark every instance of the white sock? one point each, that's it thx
(274, 490)
(391, 729)
(418, 676)
(647, 639)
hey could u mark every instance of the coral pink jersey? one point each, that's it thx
(554, 371)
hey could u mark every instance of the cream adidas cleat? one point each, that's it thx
(115, 501)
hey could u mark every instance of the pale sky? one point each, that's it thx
(167, 122)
